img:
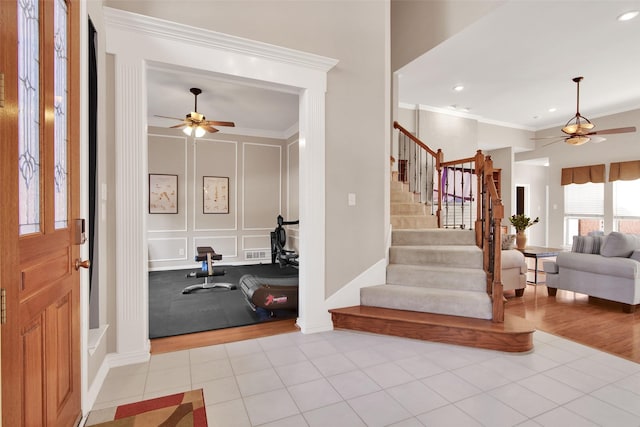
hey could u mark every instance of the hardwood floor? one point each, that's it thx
(593, 322)
(221, 336)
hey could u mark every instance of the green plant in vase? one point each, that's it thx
(521, 222)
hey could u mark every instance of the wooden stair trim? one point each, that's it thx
(514, 335)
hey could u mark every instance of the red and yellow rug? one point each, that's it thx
(177, 410)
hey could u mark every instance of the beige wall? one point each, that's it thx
(257, 171)
(419, 26)
(356, 109)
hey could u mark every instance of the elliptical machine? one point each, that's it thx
(283, 256)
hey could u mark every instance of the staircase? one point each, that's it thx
(433, 271)
(436, 286)
(430, 270)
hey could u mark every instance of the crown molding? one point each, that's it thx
(463, 115)
(211, 39)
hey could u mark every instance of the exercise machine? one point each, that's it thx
(207, 255)
(278, 242)
(270, 293)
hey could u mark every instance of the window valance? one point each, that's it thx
(624, 171)
(583, 174)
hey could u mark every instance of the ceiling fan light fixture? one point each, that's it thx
(200, 132)
(577, 140)
(627, 16)
(578, 127)
(188, 130)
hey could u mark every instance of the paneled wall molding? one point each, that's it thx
(216, 243)
(170, 244)
(161, 42)
(266, 238)
(247, 196)
(197, 187)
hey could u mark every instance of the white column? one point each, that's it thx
(131, 199)
(313, 314)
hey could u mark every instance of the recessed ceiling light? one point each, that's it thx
(553, 109)
(627, 16)
(458, 88)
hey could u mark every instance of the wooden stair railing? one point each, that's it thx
(417, 167)
(453, 191)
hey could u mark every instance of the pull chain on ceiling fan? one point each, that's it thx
(196, 123)
(579, 127)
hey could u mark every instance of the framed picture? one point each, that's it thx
(163, 194)
(215, 194)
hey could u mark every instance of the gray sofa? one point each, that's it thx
(606, 267)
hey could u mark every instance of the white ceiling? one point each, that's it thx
(518, 61)
(515, 64)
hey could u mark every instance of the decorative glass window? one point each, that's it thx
(29, 116)
(60, 109)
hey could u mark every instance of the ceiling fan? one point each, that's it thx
(579, 128)
(196, 123)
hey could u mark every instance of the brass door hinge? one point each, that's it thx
(3, 306)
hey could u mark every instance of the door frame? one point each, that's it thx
(230, 56)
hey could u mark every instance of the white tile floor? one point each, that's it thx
(350, 379)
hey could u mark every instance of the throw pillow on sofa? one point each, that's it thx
(618, 244)
(508, 241)
(587, 244)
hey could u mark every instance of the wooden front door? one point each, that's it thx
(39, 137)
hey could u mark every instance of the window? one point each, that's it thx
(626, 206)
(583, 209)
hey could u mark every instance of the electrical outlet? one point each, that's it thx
(352, 199)
(181, 251)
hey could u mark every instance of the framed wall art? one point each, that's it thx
(215, 194)
(163, 194)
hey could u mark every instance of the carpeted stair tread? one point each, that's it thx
(436, 236)
(445, 255)
(408, 209)
(429, 300)
(402, 197)
(436, 276)
(412, 222)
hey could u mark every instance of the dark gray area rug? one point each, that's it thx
(173, 313)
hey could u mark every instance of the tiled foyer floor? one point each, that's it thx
(351, 379)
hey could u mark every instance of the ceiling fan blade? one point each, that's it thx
(553, 142)
(209, 128)
(217, 123)
(177, 126)
(167, 117)
(616, 130)
(546, 137)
